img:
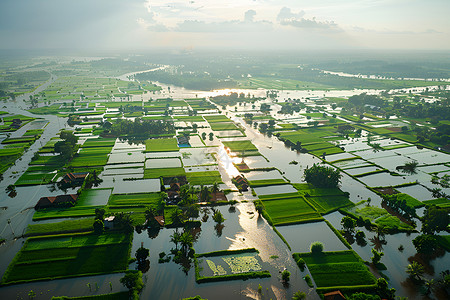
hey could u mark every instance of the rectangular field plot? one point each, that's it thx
(205, 178)
(337, 269)
(290, 210)
(328, 204)
(198, 156)
(126, 157)
(221, 126)
(240, 146)
(324, 200)
(137, 186)
(94, 197)
(158, 163)
(134, 199)
(68, 256)
(35, 178)
(91, 156)
(228, 265)
(164, 172)
(160, 145)
(271, 190)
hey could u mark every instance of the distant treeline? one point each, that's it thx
(390, 69)
(189, 80)
(140, 127)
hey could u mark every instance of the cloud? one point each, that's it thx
(152, 25)
(226, 26)
(312, 24)
(295, 19)
(286, 14)
(249, 15)
(195, 25)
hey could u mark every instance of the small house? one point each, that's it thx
(75, 178)
(61, 200)
(218, 196)
(241, 183)
(174, 191)
(109, 222)
(336, 295)
(160, 220)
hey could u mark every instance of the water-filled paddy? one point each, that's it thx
(417, 191)
(383, 179)
(198, 156)
(255, 175)
(433, 169)
(123, 171)
(339, 156)
(137, 186)
(156, 163)
(277, 189)
(301, 236)
(162, 154)
(126, 157)
(362, 170)
(346, 164)
(201, 168)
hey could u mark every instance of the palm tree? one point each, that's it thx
(175, 238)
(186, 241)
(436, 192)
(177, 217)
(380, 231)
(299, 295)
(429, 285)
(215, 187)
(415, 270)
(204, 193)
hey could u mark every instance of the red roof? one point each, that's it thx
(336, 295)
(218, 196)
(50, 201)
(160, 220)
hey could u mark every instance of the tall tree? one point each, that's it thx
(415, 270)
(322, 176)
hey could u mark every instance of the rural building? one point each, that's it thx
(160, 220)
(61, 200)
(109, 222)
(218, 196)
(241, 183)
(183, 140)
(75, 178)
(336, 295)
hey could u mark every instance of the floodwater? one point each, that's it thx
(241, 229)
(301, 236)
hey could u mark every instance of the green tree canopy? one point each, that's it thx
(435, 220)
(322, 176)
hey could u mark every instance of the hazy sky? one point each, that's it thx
(254, 24)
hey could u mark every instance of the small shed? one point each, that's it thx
(75, 178)
(218, 196)
(160, 220)
(60, 200)
(335, 295)
(109, 222)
